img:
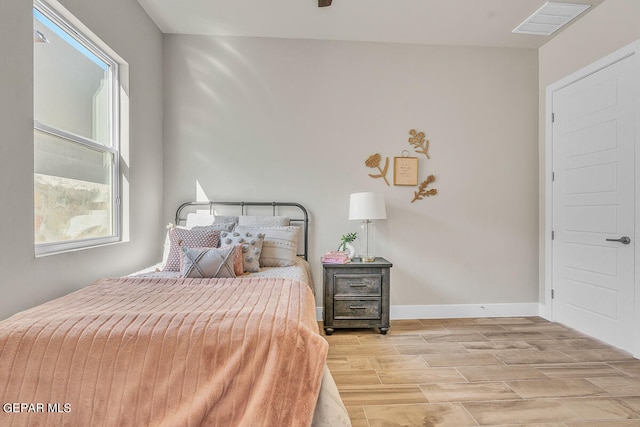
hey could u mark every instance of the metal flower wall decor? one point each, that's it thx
(421, 146)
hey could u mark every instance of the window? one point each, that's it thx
(76, 137)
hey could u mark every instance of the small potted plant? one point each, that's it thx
(345, 244)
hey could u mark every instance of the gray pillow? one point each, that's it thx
(251, 242)
(225, 219)
(263, 221)
(207, 262)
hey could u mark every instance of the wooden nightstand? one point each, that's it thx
(356, 295)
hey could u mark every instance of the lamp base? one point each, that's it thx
(367, 258)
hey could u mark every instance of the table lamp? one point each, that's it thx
(367, 207)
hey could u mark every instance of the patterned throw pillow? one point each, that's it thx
(204, 237)
(251, 247)
(280, 248)
(167, 240)
(207, 262)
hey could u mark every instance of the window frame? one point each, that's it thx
(90, 42)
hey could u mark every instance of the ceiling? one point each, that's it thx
(434, 22)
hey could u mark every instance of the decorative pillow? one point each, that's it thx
(251, 243)
(280, 247)
(198, 219)
(204, 217)
(199, 237)
(225, 219)
(263, 221)
(207, 262)
(227, 226)
(167, 240)
(238, 263)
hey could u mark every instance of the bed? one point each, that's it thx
(161, 348)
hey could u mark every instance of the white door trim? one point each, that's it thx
(546, 306)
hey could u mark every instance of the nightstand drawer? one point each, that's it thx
(356, 309)
(358, 284)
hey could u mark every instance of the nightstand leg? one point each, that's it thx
(328, 331)
(383, 331)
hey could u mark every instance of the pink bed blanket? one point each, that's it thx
(165, 352)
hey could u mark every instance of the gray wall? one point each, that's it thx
(25, 280)
(234, 106)
(276, 119)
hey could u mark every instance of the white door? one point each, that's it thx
(593, 204)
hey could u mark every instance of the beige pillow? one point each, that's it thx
(280, 247)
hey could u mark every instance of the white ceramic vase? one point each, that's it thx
(351, 251)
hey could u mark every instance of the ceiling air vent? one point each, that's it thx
(550, 18)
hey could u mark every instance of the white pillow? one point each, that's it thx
(198, 219)
(280, 246)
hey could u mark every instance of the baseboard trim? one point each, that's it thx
(463, 310)
(448, 311)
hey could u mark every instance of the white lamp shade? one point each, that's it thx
(367, 206)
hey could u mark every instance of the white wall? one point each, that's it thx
(275, 119)
(24, 280)
(610, 26)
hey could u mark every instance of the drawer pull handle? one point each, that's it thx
(358, 285)
(356, 307)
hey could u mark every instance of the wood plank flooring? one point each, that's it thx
(483, 372)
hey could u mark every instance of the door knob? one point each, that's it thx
(624, 240)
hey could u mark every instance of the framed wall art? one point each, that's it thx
(405, 171)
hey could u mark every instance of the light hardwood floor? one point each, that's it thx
(483, 372)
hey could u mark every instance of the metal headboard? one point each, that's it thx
(304, 220)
